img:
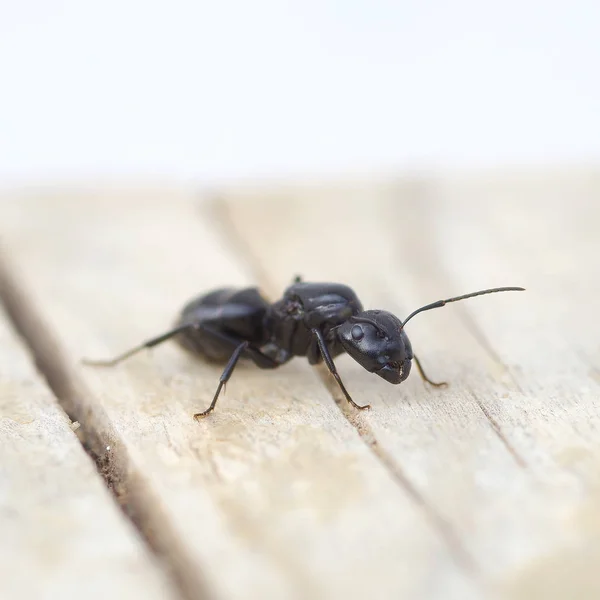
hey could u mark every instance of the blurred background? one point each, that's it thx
(196, 91)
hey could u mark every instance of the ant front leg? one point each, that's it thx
(331, 366)
(424, 376)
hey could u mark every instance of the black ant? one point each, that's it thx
(316, 320)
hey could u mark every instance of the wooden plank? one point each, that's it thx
(507, 455)
(275, 495)
(63, 535)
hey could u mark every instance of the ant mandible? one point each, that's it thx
(315, 320)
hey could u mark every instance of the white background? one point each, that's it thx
(197, 90)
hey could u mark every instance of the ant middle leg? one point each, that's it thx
(241, 349)
(224, 378)
(332, 369)
(424, 376)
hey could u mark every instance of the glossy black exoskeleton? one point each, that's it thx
(317, 320)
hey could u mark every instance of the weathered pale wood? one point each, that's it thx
(508, 455)
(61, 533)
(275, 495)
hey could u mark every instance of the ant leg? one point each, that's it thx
(425, 378)
(147, 344)
(331, 366)
(260, 359)
(240, 349)
(224, 378)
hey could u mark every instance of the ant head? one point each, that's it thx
(376, 340)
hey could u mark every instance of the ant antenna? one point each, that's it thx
(441, 303)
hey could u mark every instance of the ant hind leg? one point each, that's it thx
(111, 362)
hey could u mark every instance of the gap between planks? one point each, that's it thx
(217, 210)
(108, 453)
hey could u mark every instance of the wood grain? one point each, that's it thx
(276, 495)
(62, 535)
(506, 458)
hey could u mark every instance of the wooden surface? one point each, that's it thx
(487, 489)
(62, 536)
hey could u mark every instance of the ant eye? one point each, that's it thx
(357, 333)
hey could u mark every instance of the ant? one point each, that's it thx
(315, 320)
